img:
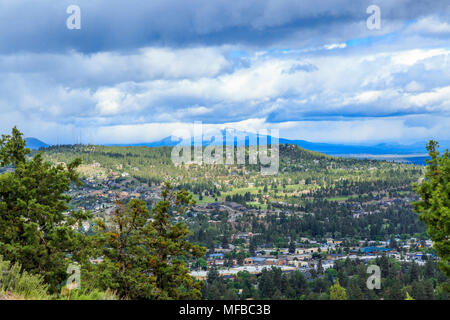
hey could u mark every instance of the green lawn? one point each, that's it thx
(342, 198)
(204, 200)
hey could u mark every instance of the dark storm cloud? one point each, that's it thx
(152, 65)
(40, 26)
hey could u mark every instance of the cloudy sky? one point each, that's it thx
(137, 70)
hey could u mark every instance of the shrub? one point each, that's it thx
(20, 284)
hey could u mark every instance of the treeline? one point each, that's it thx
(397, 280)
(326, 219)
(337, 176)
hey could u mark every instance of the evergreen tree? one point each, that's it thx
(434, 208)
(394, 291)
(337, 292)
(319, 267)
(252, 247)
(144, 252)
(408, 297)
(36, 228)
(291, 247)
(225, 243)
(429, 290)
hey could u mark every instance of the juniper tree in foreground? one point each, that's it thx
(144, 252)
(434, 207)
(34, 229)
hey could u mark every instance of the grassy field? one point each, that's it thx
(90, 171)
(204, 200)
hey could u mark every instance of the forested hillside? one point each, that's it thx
(335, 206)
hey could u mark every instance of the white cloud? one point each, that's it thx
(109, 101)
(430, 25)
(101, 68)
(439, 97)
(411, 57)
(161, 85)
(335, 46)
(393, 129)
(414, 86)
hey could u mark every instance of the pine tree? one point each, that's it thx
(408, 297)
(144, 253)
(337, 292)
(36, 228)
(434, 208)
(319, 267)
(292, 247)
(252, 247)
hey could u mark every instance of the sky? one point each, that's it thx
(136, 71)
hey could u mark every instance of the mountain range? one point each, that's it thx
(417, 148)
(34, 144)
(376, 150)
